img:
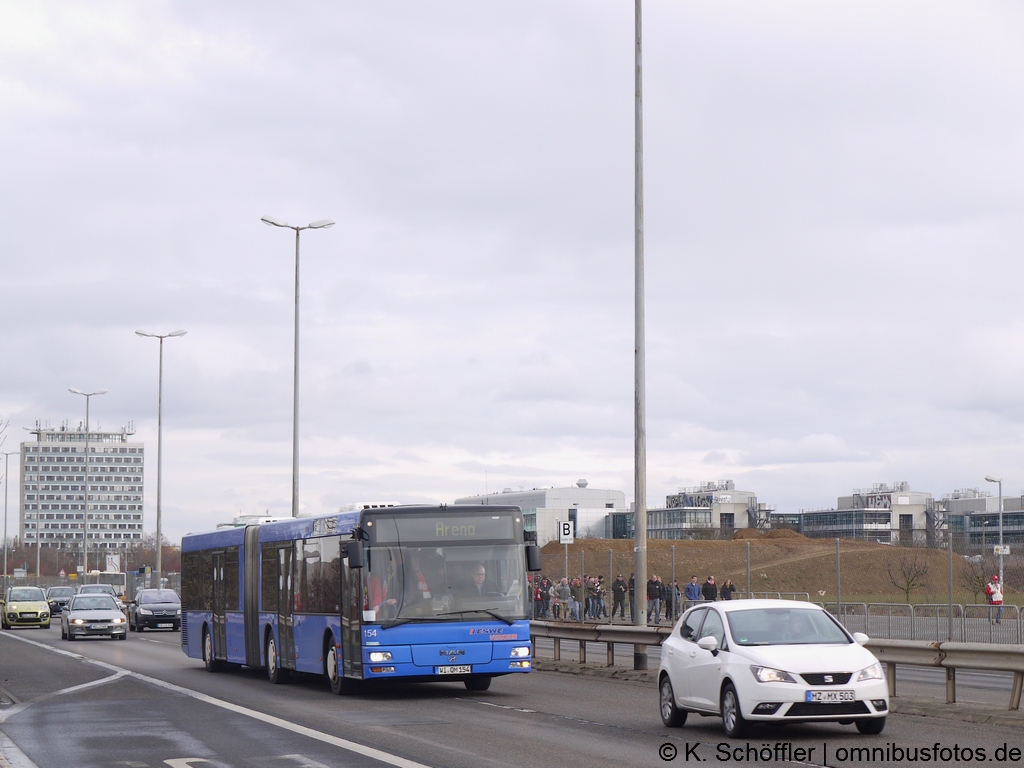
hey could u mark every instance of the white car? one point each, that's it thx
(93, 615)
(769, 661)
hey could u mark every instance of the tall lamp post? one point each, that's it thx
(85, 539)
(159, 449)
(999, 480)
(270, 221)
(7, 483)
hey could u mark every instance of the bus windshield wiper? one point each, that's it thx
(498, 616)
(403, 620)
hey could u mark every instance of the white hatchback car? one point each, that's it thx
(770, 661)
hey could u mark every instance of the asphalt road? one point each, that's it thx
(143, 703)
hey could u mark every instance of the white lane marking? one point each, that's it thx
(185, 762)
(83, 686)
(11, 756)
(303, 761)
(301, 730)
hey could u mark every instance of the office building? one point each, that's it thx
(713, 509)
(585, 507)
(53, 489)
(891, 514)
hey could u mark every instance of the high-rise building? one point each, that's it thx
(54, 486)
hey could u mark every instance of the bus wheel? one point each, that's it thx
(340, 685)
(275, 674)
(212, 665)
(478, 683)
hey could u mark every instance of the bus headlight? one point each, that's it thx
(522, 651)
(380, 656)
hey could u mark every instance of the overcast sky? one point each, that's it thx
(833, 244)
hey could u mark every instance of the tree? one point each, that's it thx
(974, 574)
(907, 572)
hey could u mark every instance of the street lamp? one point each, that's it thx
(85, 539)
(991, 479)
(159, 447)
(270, 221)
(7, 483)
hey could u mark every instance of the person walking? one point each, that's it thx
(693, 593)
(619, 591)
(994, 593)
(545, 596)
(563, 594)
(710, 590)
(668, 600)
(728, 590)
(579, 598)
(632, 597)
(654, 599)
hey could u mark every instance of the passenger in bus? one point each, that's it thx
(417, 598)
(383, 594)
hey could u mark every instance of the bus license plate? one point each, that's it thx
(164, 626)
(463, 669)
(830, 697)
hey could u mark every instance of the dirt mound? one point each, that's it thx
(747, 533)
(784, 533)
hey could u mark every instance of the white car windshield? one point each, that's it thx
(785, 626)
(94, 603)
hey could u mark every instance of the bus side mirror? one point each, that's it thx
(355, 554)
(533, 561)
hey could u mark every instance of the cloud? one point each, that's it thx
(830, 227)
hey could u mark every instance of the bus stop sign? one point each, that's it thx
(565, 532)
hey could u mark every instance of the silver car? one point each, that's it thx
(93, 615)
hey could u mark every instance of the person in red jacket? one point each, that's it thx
(994, 593)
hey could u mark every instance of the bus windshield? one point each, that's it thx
(448, 568)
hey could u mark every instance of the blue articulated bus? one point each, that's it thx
(416, 592)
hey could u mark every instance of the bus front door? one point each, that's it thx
(285, 605)
(351, 622)
(220, 643)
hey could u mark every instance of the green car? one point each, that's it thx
(24, 607)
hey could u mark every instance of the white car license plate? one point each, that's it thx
(30, 615)
(462, 669)
(830, 697)
(164, 626)
(97, 626)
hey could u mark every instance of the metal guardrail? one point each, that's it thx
(611, 634)
(951, 656)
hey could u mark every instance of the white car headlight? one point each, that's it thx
(519, 652)
(145, 611)
(118, 620)
(769, 675)
(874, 672)
(78, 621)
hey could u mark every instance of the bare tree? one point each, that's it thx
(907, 572)
(974, 573)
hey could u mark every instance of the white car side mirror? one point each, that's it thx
(709, 643)
(860, 638)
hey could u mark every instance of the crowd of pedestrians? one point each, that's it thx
(580, 599)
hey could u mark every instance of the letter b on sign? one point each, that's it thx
(565, 532)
